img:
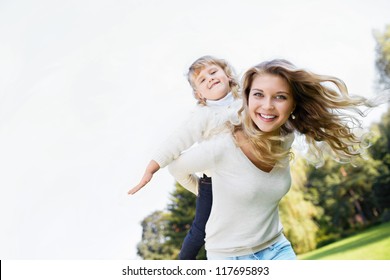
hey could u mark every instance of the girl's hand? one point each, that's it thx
(145, 179)
(152, 168)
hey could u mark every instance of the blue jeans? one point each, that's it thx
(194, 239)
(280, 250)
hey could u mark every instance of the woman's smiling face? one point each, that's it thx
(270, 102)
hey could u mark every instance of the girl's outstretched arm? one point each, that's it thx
(152, 168)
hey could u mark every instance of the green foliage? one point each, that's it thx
(380, 151)
(344, 193)
(153, 243)
(381, 148)
(297, 213)
(163, 232)
(182, 213)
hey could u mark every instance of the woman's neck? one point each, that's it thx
(247, 148)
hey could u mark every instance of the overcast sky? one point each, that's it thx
(89, 89)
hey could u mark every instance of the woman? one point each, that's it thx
(249, 163)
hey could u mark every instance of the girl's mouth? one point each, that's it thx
(214, 84)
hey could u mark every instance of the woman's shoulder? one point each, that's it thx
(222, 144)
(221, 141)
(221, 137)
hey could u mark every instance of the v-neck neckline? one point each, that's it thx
(242, 153)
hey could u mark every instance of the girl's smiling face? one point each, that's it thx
(270, 102)
(212, 83)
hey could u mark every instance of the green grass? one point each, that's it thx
(371, 244)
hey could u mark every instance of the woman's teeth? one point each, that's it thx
(268, 116)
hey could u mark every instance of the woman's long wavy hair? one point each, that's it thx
(322, 114)
(198, 65)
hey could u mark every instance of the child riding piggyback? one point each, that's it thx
(217, 92)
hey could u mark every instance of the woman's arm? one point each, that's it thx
(198, 159)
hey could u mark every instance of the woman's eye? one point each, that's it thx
(281, 97)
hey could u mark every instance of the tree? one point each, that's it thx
(153, 244)
(297, 213)
(383, 56)
(380, 151)
(182, 212)
(344, 192)
(163, 232)
(381, 148)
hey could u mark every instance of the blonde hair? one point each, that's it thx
(198, 65)
(320, 114)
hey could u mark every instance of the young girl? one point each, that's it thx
(216, 89)
(250, 164)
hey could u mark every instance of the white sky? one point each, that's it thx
(88, 90)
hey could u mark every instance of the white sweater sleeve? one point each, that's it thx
(190, 132)
(197, 159)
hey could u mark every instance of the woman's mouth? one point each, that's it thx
(267, 117)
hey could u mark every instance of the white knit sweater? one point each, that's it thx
(244, 217)
(203, 122)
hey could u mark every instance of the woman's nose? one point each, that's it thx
(268, 103)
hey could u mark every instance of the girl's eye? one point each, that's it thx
(259, 94)
(281, 97)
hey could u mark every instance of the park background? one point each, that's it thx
(89, 89)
